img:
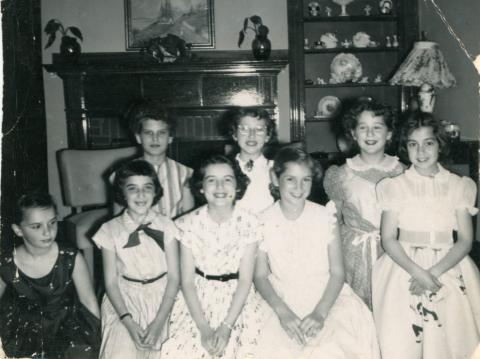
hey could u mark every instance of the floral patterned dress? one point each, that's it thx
(217, 249)
(352, 188)
(43, 316)
(445, 325)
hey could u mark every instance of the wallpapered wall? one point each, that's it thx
(103, 26)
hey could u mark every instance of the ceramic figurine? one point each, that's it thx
(306, 45)
(395, 41)
(367, 9)
(314, 8)
(361, 39)
(346, 43)
(320, 81)
(364, 80)
(386, 7)
(377, 78)
(388, 42)
(328, 40)
(328, 11)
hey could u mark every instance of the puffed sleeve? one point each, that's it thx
(184, 231)
(466, 195)
(387, 195)
(167, 226)
(331, 215)
(249, 225)
(332, 183)
(104, 237)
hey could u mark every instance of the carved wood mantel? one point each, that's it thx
(99, 87)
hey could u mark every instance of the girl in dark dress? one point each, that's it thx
(48, 307)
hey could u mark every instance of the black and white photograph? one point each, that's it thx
(240, 179)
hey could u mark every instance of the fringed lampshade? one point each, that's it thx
(424, 67)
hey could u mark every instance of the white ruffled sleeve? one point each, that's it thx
(388, 197)
(103, 238)
(184, 232)
(466, 195)
(331, 217)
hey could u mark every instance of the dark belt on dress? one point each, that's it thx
(144, 281)
(221, 278)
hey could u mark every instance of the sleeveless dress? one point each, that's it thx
(142, 262)
(297, 252)
(445, 325)
(352, 188)
(217, 249)
(43, 316)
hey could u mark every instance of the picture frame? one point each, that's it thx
(192, 20)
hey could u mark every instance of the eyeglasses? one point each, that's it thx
(257, 131)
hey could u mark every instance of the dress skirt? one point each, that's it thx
(444, 325)
(143, 302)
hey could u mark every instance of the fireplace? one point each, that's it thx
(99, 87)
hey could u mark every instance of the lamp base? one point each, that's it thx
(426, 98)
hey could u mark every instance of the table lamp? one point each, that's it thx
(424, 67)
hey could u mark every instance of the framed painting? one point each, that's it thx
(192, 20)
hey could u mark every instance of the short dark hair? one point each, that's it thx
(415, 120)
(350, 117)
(236, 114)
(196, 181)
(144, 109)
(33, 200)
(135, 168)
(297, 154)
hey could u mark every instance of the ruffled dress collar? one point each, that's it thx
(441, 175)
(388, 163)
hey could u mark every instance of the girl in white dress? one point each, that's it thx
(311, 312)
(141, 268)
(426, 290)
(218, 248)
(352, 188)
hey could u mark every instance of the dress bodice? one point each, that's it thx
(427, 203)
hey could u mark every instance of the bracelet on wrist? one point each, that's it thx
(124, 315)
(227, 325)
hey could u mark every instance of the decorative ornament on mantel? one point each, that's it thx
(261, 45)
(69, 47)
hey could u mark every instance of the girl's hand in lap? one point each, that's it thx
(152, 333)
(291, 324)
(416, 288)
(427, 280)
(220, 339)
(312, 324)
(206, 337)
(136, 333)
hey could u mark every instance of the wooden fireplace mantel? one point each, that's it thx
(99, 87)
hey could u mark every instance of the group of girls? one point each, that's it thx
(387, 233)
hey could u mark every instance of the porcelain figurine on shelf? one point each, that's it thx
(320, 81)
(395, 41)
(328, 11)
(361, 39)
(388, 41)
(368, 10)
(346, 43)
(364, 80)
(386, 7)
(378, 79)
(314, 8)
(328, 40)
(306, 44)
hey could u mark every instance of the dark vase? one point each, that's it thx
(261, 48)
(70, 48)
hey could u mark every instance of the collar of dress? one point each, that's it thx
(260, 161)
(388, 163)
(441, 175)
